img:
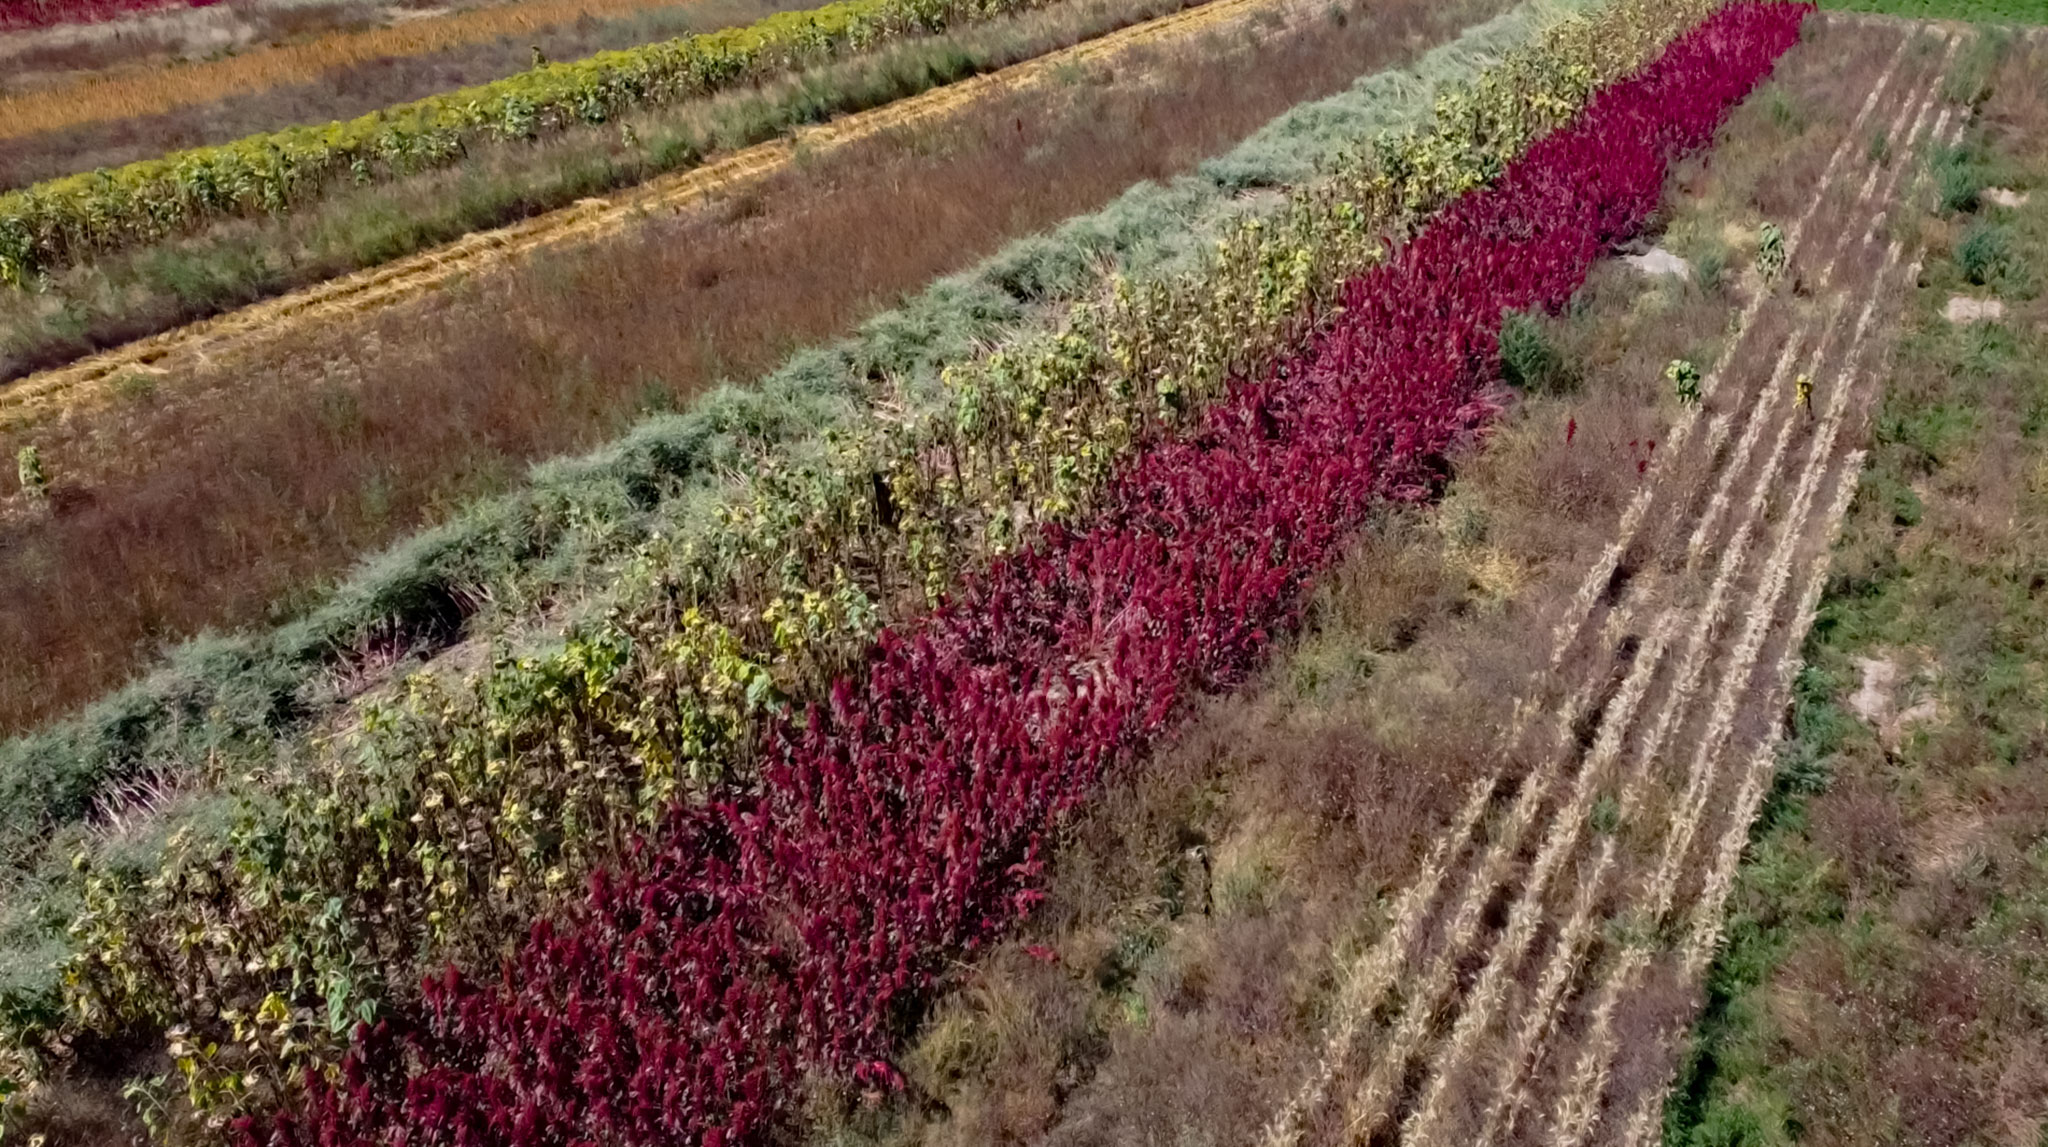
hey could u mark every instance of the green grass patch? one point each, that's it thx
(1990, 11)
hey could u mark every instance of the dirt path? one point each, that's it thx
(1539, 974)
(85, 385)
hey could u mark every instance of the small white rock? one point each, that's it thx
(1963, 309)
(1873, 702)
(2006, 197)
(1658, 261)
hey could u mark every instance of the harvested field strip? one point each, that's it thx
(1009, 702)
(1445, 1099)
(84, 386)
(1578, 1112)
(131, 94)
(1885, 923)
(1575, 1115)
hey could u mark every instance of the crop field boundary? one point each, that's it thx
(1533, 951)
(85, 384)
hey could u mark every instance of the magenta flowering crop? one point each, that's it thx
(799, 925)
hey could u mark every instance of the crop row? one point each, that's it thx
(67, 220)
(15, 14)
(462, 809)
(791, 926)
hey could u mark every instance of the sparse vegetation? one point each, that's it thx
(1882, 979)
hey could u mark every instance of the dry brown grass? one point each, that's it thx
(210, 507)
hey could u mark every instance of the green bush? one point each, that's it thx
(1710, 268)
(1528, 360)
(1985, 253)
(1958, 179)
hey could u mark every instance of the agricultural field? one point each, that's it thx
(1280, 573)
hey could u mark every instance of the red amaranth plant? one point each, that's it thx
(799, 925)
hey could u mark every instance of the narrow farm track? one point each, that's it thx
(1534, 978)
(86, 384)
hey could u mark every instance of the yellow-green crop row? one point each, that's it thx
(63, 221)
(460, 809)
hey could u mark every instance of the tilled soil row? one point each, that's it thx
(1536, 976)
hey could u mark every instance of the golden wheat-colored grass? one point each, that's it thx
(124, 96)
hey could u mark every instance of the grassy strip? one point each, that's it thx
(1988, 11)
(1882, 974)
(69, 220)
(603, 668)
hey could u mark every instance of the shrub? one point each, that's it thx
(28, 471)
(1710, 267)
(1685, 381)
(1770, 252)
(1528, 360)
(1985, 253)
(1958, 179)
